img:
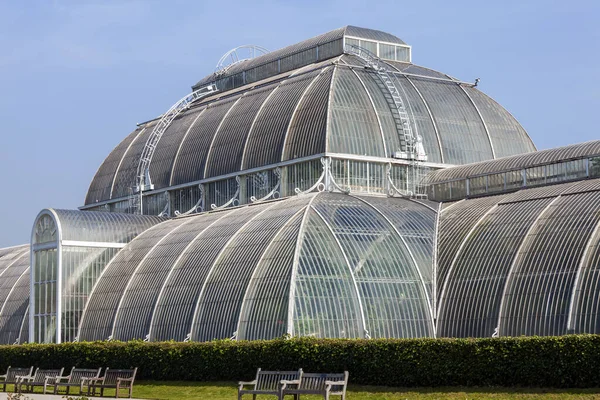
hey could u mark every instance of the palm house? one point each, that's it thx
(331, 188)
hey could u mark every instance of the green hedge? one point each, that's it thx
(567, 361)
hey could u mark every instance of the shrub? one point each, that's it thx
(566, 361)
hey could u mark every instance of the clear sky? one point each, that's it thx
(76, 76)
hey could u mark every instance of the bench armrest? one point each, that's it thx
(284, 383)
(60, 378)
(329, 384)
(88, 381)
(23, 378)
(242, 384)
(119, 380)
(3, 376)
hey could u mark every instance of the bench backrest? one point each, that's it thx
(78, 373)
(111, 375)
(269, 380)
(12, 373)
(42, 374)
(316, 382)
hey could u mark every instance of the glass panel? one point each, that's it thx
(45, 230)
(368, 45)
(354, 127)
(219, 306)
(471, 303)
(302, 176)
(535, 176)
(222, 192)
(594, 165)
(555, 172)
(462, 133)
(387, 51)
(459, 189)
(183, 200)
(81, 268)
(261, 184)
(325, 299)
(353, 42)
(478, 185)
(495, 183)
(45, 265)
(265, 309)
(538, 295)
(455, 223)
(576, 169)
(514, 179)
(97, 322)
(402, 54)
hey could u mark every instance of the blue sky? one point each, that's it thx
(75, 76)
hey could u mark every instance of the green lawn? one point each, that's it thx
(228, 390)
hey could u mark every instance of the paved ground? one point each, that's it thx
(29, 396)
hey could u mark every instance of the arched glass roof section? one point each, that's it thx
(322, 264)
(335, 107)
(516, 162)
(14, 293)
(520, 264)
(69, 251)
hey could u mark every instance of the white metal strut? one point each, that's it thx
(143, 180)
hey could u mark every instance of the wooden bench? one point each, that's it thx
(10, 378)
(268, 382)
(113, 379)
(41, 377)
(75, 379)
(320, 384)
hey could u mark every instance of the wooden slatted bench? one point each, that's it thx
(320, 384)
(268, 382)
(10, 378)
(76, 378)
(113, 379)
(42, 377)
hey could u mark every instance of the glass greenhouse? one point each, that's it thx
(331, 188)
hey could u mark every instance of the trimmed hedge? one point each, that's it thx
(566, 361)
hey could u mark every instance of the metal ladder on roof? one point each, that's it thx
(408, 140)
(143, 181)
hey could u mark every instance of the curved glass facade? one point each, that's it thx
(324, 264)
(525, 267)
(14, 293)
(305, 102)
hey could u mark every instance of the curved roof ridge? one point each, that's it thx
(526, 160)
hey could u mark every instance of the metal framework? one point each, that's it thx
(409, 141)
(143, 180)
(411, 144)
(236, 55)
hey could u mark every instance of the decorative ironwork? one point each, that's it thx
(235, 200)
(198, 207)
(273, 193)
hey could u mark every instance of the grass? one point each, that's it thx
(228, 390)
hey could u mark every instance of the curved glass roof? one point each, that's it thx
(521, 264)
(14, 294)
(324, 264)
(522, 161)
(335, 107)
